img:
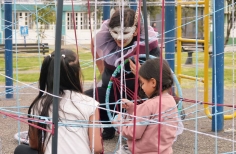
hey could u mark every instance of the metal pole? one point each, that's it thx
(146, 29)
(218, 66)
(56, 80)
(170, 34)
(106, 11)
(8, 49)
(133, 5)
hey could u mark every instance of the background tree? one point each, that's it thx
(229, 20)
(153, 8)
(189, 22)
(45, 16)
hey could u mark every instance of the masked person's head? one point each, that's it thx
(129, 29)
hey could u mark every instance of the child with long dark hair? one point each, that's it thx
(146, 135)
(73, 105)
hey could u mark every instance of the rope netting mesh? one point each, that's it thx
(192, 94)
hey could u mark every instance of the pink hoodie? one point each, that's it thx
(146, 138)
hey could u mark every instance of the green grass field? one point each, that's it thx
(28, 66)
(195, 70)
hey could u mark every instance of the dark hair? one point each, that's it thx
(70, 79)
(151, 69)
(153, 24)
(129, 17)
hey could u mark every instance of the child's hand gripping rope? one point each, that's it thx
(126, 104)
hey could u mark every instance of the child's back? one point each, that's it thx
(73, 107)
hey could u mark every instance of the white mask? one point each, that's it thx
(127, 33)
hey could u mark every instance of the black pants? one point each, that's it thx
(24, 149)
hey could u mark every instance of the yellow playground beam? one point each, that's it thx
(179, 35)
(190, 3)
(191, 40)
(206, 57)
(206, 51)
(191, 78)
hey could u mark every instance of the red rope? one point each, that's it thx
(73, 17)
(194, 101)
(136, 79)
(22, 119)
(129, 92)
(161, 63)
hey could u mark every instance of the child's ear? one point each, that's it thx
(153, 82)
(136, 32)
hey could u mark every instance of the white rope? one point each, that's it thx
(233, 71)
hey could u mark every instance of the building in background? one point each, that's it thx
(23, 13)
(24, 10)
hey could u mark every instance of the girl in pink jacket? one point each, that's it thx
(147, 113)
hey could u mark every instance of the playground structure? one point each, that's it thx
(218, 46)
